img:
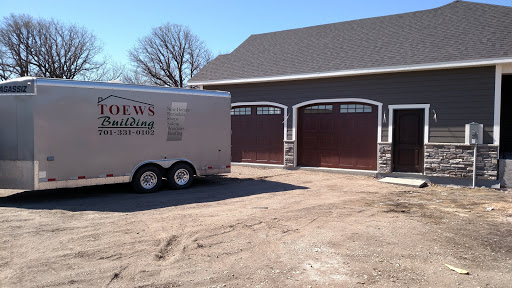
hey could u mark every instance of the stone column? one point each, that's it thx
(289, 153)
(384, 162)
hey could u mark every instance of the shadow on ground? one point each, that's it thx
(120, 197)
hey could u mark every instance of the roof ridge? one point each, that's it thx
(384, 16)
(361, 19)
(477, 3)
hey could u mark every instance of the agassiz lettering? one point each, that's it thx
(13, 89)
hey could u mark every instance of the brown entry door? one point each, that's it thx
(408, 140)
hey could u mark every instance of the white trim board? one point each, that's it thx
(363, 71)
(497, 105)
(409, 106)
(262, 103)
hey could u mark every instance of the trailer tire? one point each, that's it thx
(180, 176)
(148, 179)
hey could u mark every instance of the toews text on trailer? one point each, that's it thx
(64, 133)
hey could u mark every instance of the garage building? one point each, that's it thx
(385, 94)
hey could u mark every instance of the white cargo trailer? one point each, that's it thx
(64, 133)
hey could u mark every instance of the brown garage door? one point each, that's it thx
(338, 135)
(257, 134)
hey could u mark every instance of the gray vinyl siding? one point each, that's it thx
(458, 96)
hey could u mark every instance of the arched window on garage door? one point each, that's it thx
(257, 133)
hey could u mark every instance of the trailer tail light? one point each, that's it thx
(228, 166)
(210, 167)
(110, 175)
(52, 179)
(81, 177)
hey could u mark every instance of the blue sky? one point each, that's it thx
(222, 25)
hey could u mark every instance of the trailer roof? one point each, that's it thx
(118, 86)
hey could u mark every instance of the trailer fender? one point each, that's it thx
(164, 163)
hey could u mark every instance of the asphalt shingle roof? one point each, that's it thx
(457, 31)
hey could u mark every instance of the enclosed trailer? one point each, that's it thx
(58, 133)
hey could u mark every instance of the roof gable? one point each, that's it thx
(458, 31)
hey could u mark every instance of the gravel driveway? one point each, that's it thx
(257, 228)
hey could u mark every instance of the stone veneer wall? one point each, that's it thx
(289, 152)
(384, 160)
(456, 160)
(446, 160)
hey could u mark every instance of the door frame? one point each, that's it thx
(409, 107)
(426, 125)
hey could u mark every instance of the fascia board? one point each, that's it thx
(365, 71)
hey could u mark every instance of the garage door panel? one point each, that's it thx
(236, 153)
(327, 159)
(309, 142)
(248, 155)
(366, 162)
(325, 125)
(310, 156)
(275, 157)
(310, 125)
(262, 156)
(262, 140)
(325, 141)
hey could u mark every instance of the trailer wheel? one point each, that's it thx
(147, 179)
(180, 176)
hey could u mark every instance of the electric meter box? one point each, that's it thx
(474, 133)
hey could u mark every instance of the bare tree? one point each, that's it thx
(169, 55)
(5, 71)
(109, 71)
(64, 51)
(135, 76)
(47, 48)
(16, 41)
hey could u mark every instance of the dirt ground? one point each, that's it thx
(258, 228)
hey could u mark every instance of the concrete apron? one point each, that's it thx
(428, 179)
(444, 180)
